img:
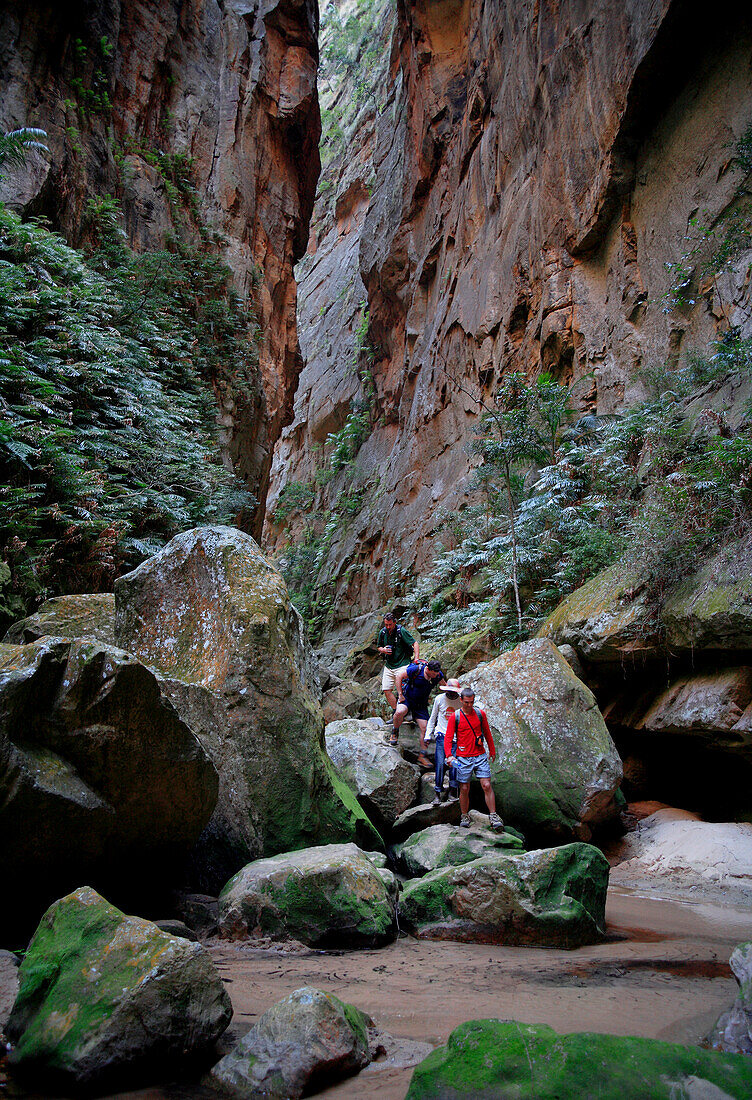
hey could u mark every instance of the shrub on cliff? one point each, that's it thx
(107, 419)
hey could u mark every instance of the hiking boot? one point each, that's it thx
(495, 822)
(454, 794)
(394, 737)
(436, 800)
(465, 821)
(424, 761)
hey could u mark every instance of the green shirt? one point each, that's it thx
(402, 643)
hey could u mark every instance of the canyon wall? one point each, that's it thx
(127, 90)
(514, 201)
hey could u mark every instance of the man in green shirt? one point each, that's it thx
(398, 648)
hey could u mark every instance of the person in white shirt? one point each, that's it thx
(446, 701)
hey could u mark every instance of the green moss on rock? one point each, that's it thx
(505, 1059)
(104, 995)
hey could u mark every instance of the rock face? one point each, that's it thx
(345, 700)
(555, 897)
(89, 616)
(506, 1058)
(328, 895)
(449, 846)
(223, 92)
(514, 205)
(385, 784)
(733, 1031)
(107, 998)
(99, 777)
(301, 1043)
(213, 618)
(557, 770)
(678, 701)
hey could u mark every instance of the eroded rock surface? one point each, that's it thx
(99, 776)
(212, 616)
(519, 202)
(554, 897)
(557, 770)
(306, 1040)
(108, 998)
(327, 895)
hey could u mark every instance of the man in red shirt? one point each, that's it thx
(470, 726)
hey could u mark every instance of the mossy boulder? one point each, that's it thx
(504, 1059)
(733, 1030)
(418, 818)
(308, 1040)
(327, 895)
(106, 998)
(99, 777)
(450, 846)
(609, 618)
(213, 618)
(557, 770)
(462, 652)
(384, 783)
(554, 897)
(88, 616)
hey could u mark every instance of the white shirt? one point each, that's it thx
(440, 715)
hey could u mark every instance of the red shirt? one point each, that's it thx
(469, 732)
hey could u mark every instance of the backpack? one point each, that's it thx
(480, 747)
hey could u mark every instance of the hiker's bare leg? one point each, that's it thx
(422, 723)
(399, 715)
(464, 798)
(391, 698)
(488, 793)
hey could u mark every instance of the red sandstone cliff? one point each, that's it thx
(232, 86)
(535, 167)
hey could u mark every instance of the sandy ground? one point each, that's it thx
(662, 973)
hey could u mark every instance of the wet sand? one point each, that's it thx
(663, 973)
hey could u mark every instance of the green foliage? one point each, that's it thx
(15, 146)
(294, 497)
(107, 417)
(656, 488)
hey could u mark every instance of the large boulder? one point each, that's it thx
(106, 998)
(99, 777)
(733, 1030)
(385, 784)
(214, 620)
(90, 616)
(555, 897)
(450, 846)
(327, 895)
(302, 1043)
(418, 818)
(346, 699)
(504, 1058)
(557, 771)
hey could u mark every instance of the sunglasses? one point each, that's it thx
(452, 694)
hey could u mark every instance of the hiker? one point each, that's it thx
(445, 703)
(470, 726)
(415, 684)
(398, 648)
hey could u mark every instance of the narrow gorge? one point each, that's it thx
(314, 312)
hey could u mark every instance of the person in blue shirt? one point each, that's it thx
(414, 685)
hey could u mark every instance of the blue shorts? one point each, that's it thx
(466, 765)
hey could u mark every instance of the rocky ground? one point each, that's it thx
(662, 973)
